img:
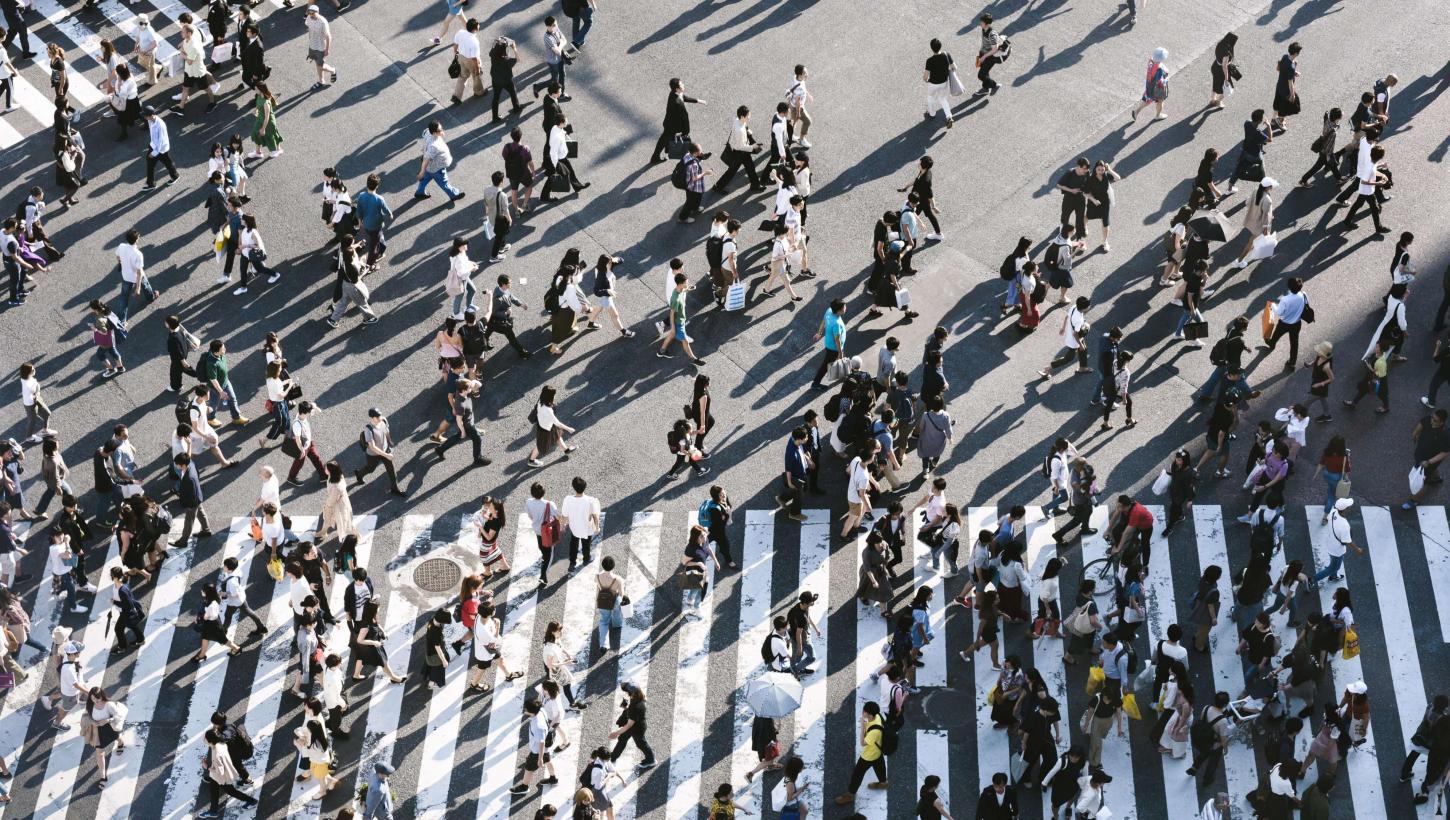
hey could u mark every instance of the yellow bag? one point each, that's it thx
(1351, 644)
(1130, 705)
(1096, 679)
(274, 568)
(992, 695)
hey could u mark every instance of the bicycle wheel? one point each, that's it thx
(1101, 572)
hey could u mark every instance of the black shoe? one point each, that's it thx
(204, 534)
(1089, 531)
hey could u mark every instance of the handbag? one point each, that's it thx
(1343, 488)
(68, 162)
(1351, 644)
(1160, 484)
(954, 84)
(735, 296)
(549, 529)
(677, 145)
(1079, 623)
(903, 298)
(256, 530)
(290, 448)
(454, 69)
(558, 183)
(1195, 330)
(626, 607)
(1417, 479)
(571, 149)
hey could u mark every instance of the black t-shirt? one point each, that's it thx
(1221, 421)
(1360, 116)
(472, 338)
(434, 638)
(1286, 71)
(636, 713)
(1432, 441)
(796, 619)
(1193, 283)
(937, 66)
(1254, 140)
(1258, 644)
(1075, 182)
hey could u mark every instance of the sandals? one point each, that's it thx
(198, 658)
(478, 688)
(514, 676)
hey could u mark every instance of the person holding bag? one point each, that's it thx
(608, 601)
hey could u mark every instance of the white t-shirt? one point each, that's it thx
(1072, 334)
(302, 428)
(232, 590)
(936, 506)
(296, 591)
(132, 261)
(29, 388)
(70, 679)
(538, 733)
(272, 531)
(1339, 527)
(782, 198)
(275, 391)
(485, 632)
(55, 563)
(576, 509)
(546, 416)
(859, 483)
(332, 687)
(468, 47)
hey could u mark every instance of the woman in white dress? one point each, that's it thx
(336, 507)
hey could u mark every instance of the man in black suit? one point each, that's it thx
(254, 57)
(216, 203)
(128, 611)
(15, 27)
(677, 118)
(552, 107)
(998, 801)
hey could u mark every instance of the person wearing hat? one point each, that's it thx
(1343, 537)
(72, 684)
(377, 442)
(1092, 795)
(1321, 376)
(319, 45)
(1155, 89)
(801, 624)
(159, 148)
(378, 805)
(1258, 218)
(1063, 778)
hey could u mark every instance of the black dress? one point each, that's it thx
(1098, 188)
(1286, 103)
(369, 655)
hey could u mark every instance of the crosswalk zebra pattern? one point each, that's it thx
(694, 659)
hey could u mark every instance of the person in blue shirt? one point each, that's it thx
(797, 469)
(372, 212)
(831, 334)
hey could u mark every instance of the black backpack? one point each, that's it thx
(240, 742)
(890, 741)
(572, 7)
(715, 251)
(1261, 537)
(679, 177)
(1132, 660)
(833, 410)
(551, 299)
(183, 409)
(1218, 354)
(1008, 270)
(1201, 733)
(766, 654)
(1047, 462)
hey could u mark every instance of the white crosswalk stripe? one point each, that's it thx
(774, 553)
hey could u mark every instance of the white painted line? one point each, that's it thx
(445, 713)
(641, 570)
(1399, 631)
(1046, 651)
(810, 719)
(38, 104)
(692, 686)
(1180, 793)
(125, 19)
(757, 557)
(81, 90)
(871, 635)
(1117, 753)
(993, 750)
(1435, 534)
(9, 137)
(1361, 764)
(500, 756)
(934, 654)
(932, 754)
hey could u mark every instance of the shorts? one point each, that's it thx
(316, 56)
(606, 302)
(532, 763)
(1213, 444)
(454, 8)
(855, 509)
(680, 331)
(480, 663)
(69, 702)
(7, 563)
(521, 181)
(194, 83)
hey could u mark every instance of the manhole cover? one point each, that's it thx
(949, 709)
(437, 575)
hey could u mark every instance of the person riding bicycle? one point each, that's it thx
(1131, 530)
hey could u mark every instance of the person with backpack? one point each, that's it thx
(1209, 737)
(775, 651)
(604, 293)
(876, 744)
(376, 440)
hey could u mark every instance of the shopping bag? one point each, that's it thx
(1266, 320)
(626, 607)
(256, 530)
(954, 84)
(1095, 680)
(274, 568)
(1343, 488)
(1351, 644)
(735, 297)
(175, 64)
(1160, 484)
(1130, 705)
(1018, 766)
(1417, 479)
(221, 52)
(903, 298)
(992, 695)
(839, 369)
(1264, 246)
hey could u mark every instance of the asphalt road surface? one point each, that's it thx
(1067, 90)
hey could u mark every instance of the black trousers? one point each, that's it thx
(735, 161)
(791, 497)
(564, 167)
(125, 623)
(1040, 758)
(1322, 162)
(639, 742)
(372, 464)
(469, 432)
(1374, 209)
(179, 367)
(498, 92)
(574, 543)
(830, 356)
(858, 772)
(500, 233)
(164, 159)
(1081, 514)
(247, 612)
(506, 327)
(1074, 207)
(722, 543)
(334, 721)
(984, 73)
(16, 27)
(692, 204)
(663, 142)
(1206, 761)
(1290, 329)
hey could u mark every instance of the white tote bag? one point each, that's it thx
(735, 297)
(903, 298)
(1160, 484)
(954, 84)
(1417, 479)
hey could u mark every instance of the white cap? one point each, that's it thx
(143, 18)
(1268, 182)
(1356, 688)
(1343, 504)
(312, 8)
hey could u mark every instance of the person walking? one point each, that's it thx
(993, 44)
(832, 336)
(265, 134)
(503, 55)
(468, 57)
(434, 164)
(253, 253)
(676, 127)
(937, 76)
(379, 803)
(498, 219)
(319, 46)
(354, 290)
(373, 213)
(1326, 154)
(1286, 88)
(872, 755)
(549, 431)
(220, 774)
(1258, 220)
(556, 59)
(518, 166)
(159, 148)
(1250, 165)
(678, 321)
(694, 182)
(377, 438)
(1222, 70)
(1289, 312)
(1155, 88)
(500, 318)
(632, 724)
(557, 166)
(998, 800)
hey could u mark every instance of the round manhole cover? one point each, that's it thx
(437, 575)
(949, 709)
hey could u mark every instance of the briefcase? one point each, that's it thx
(677, 145)
(571, 148)
(558, 184)
(1195, 330)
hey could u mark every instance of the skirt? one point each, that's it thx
(106, 736)
(369, 655)
(212, 631)
(545, 440)
(1285, 104)
(561, 325)
(490, 553)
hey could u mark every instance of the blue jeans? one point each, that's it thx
(1011, 300)
(1333, 569)
(46, 496)
(127, 288)
(439, 176)
(466, 297)
(804, 658)
(1282, 601)
(1057, 498)
(107, 503)
(281, 420)
(1188, 316)
(1211, 386)
(606, 618)
(110, 356)
(1331, 483)
(67, 587)
(582, 24)
(227, 398)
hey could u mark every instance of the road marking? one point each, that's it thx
(1435, 535)
(80, 89)
(757, 559)
(1180, 793)
(692, 683)
(994, 752)
(872, 633)
(445, 712)
(635, 636)
(933, 654)
(810, 719)
(1047, 651)
(1117, 752)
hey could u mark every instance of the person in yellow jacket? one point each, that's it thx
(873, 755)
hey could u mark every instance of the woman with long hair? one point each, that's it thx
(548, 430)
(211, 624)
(253, 252)
(264, 129)
(106, 718)
(367, 647)
(311, 741)
(698, 411)
(1334, 466)
(490, 522)
(336, 507)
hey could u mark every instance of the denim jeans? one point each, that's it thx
(1057, 498)
(439, 176)
(107, 503)
(558, 73)
(281, 420)
(1188, 316)
(804, 658)
(1333, 569)
(67, 587)
(127, 288)
(1331, 483)
(1282, 601)
(466, 297)
(582, 24)
(604, 619)
(46, 496)
(227, 398)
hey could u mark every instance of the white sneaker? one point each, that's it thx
(89, 588)
(273, 278)
(498, 258)
(176, 96)
(276, 153)
(1425, 400)
(223, 279)
(935, 237)
(803, 142)
(49, 431)
(239, 291)
(79, 608)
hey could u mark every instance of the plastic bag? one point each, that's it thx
(1160, 484)
(1417, 479)
(1130, 706)
(1095, 680)
(274, 568)
(1351, 644)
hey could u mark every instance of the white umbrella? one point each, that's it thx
(774, 694)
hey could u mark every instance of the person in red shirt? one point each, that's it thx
(1132, 530)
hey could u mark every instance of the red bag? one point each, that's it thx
(549, 529)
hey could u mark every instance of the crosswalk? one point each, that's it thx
(79, 32)
(693, 658)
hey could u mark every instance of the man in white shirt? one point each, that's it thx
(1074, 344)
(159, 149)
(580, 514)
(59, 564)
(859, 487)
(538, 748)
(234, 598)
(1288, 316)
(1370, 180)
(36, 410)
(434, 167)
(796, 98)
(556, 158)
(779, 646)
(739, 153)
(469, 54)
(72, 684)
(779, 136)
(133, 273)
(319, 45)
(270, 492)
(146, 45)
(1341, 537)
(194, 75)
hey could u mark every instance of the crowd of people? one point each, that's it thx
(875, 415)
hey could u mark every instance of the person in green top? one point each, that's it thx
(677, 316)
(214, 370)
(264, 131)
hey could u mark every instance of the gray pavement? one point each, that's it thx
(1066, 93)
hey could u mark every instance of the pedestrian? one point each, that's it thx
(220, 774)
(159, 148)
(195, 77)
(264, 128)
(604, 292)
(124, 100)
(676, 128)
(557, 57)
(872, 756)
(1250, 166)
(379, 803)
(937, 76)
(1371, 184)
(1258, 221)
(1074, 345)
(312, 744)
(558, 169)
(1326, 154)
(1100, 198)
(518, 163)
(1155, 89)
(1222, 70)
(1074, 188)
(678, 320)
(368, 647)
(503, 55)
(921, 185)
(353, 290)
(454, 13)
(694, 182)
(997, 802)
(377, 439)
(1376, 378)
(215, 370)
(319, 46)
(1286, 88)
(1122, 376)
(459, 285)
(253, 252)
(434, 164)
(468, 58)
(497, 217)
(549, 431)
(500, 315)
(631, 725)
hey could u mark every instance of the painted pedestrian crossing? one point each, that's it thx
(716, 651)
